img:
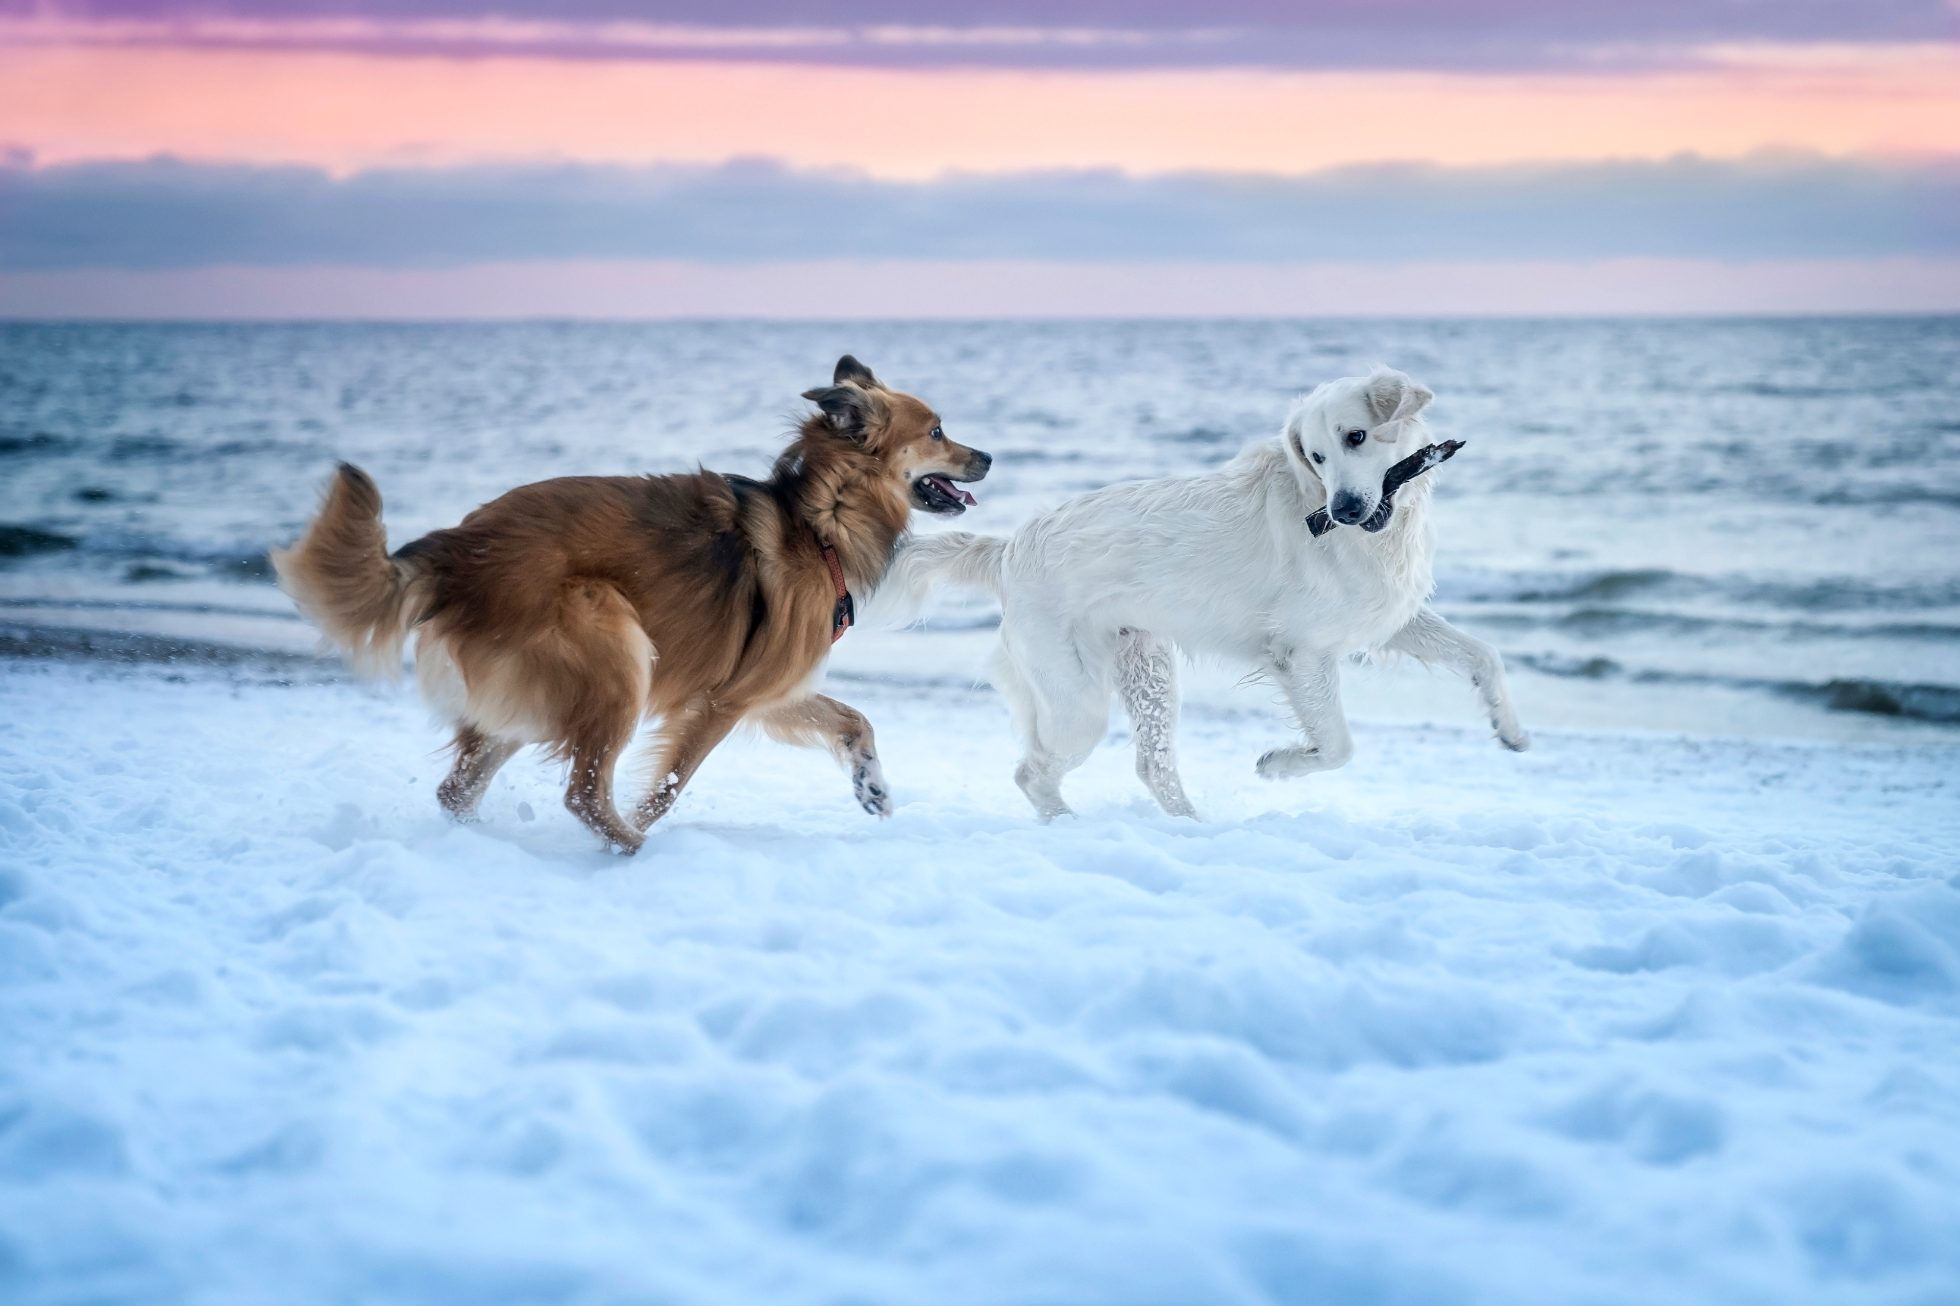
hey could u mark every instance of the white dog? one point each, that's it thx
(1102, 592)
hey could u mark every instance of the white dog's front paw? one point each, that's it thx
(868, 784)
(1512, 736)
(1287, 763)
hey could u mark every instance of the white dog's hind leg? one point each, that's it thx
(1146, 681)
(1428, 638)
(1014, 688)
(1038, 775)
(1071, 713)
(1312, 685)
(1032, 775)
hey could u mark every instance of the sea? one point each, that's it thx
(1718, 527)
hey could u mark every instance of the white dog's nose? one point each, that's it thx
(1348, 508)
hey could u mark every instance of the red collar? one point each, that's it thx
(845, 613)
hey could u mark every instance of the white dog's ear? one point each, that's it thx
(1394, 397)
(1293, 434)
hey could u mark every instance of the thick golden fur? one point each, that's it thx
(568, 611)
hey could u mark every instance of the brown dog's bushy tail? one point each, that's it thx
(340, 575)
(925, 562)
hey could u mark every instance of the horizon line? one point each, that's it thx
(604, 319)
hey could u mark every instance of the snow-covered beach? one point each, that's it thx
(1629, 1018)
(1665, 1010)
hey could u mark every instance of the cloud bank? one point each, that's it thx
(1575, 35)
(163, 214)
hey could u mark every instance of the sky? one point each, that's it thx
(891, 158)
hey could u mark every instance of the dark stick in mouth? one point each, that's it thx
(1319, 523)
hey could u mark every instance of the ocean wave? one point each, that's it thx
(18, 541)
(1822, 594)
(252, 567)
(1889, 496)
(1555, 586)
(1595, 622)
(192, 609)
(159, 448)
(1911, 701)
(1789, 390)
(1888, 698)
(34, 442)
(1198, 435)
(139, 648)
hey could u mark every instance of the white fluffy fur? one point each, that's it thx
(1099, 594)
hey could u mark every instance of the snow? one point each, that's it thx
(1629, 1018)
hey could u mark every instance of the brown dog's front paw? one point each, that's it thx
(868, 783)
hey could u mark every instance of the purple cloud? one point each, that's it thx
(1361, 34)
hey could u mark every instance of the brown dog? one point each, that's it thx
(566, 612)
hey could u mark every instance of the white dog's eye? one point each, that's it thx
(1354, 438)
(1319, 457)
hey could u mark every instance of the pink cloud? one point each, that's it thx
(345, 111)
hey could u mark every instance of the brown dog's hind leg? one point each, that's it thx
(686, 738)
(595, 667)
(589, 796)
(823, 722)
(478, 759)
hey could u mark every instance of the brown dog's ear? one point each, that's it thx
(849, 369)
(849, 408)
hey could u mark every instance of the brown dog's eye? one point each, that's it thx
(1354, 439)
(938, 434)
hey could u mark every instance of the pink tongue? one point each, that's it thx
(945, 483)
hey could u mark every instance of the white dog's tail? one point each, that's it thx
(924, 562)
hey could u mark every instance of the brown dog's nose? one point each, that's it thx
(978, 464)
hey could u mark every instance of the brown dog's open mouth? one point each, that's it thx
(938, 494)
